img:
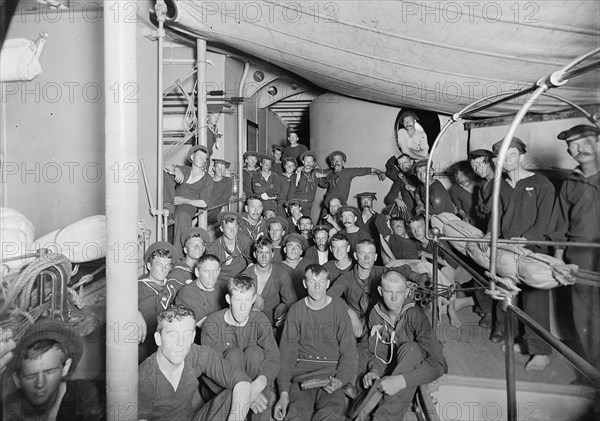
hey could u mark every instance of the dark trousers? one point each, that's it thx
(586, 304)
(314, 404)
(248, 360)
(217, 409)
(536, 303)
(409, 356)
(182, 214)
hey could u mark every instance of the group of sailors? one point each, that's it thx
(281, 317)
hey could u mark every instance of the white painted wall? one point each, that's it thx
(365, 132)
(55, 123)
(544, 150)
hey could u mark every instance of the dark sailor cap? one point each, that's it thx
(514, 143)
(577, 132)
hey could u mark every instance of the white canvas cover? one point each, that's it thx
(439, 56)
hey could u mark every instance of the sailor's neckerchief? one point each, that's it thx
(166, 293)
(253, 229)
(386, 333)
(232, 254)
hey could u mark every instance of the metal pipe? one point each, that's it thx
(435, 269)
(241, 130)
(465, 110)
(509, 366)
(581, 70)
(578, 60)
(519, 241)
(522, 92)
(161, 15)
(202, 112)
(577, 107)
(579, 363)
(121, 117)
(494, 234)
(3, 156)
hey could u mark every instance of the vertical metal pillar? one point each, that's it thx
(202, 113)
(435, 232)
(241, 132)
(161, 15)
(509, 363)
(511, 392)
(120, 71)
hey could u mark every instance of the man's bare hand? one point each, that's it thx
(334, 384)
(401, 205)
(485, 246)
(179, 200)
(281, 407)
(369, 378)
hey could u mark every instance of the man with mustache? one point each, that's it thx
(338, 179)
(412, 140)
(577, 218)
(306, 181)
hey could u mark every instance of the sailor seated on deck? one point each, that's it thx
(359, 286)
(186, 189)
(222, 188)
(156, 292)
(232, 248)
(168, 379)
(403, 353)
(245, 339)
(277, 228)
(275, 292)
(194, 245)
(318, 354)
(251, 222)
(206, 295)
(45, 359)
(396, 243)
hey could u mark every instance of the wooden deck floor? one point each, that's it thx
(469, 353)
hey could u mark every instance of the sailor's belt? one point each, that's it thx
(317, 359)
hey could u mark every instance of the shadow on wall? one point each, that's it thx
(429, 120)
